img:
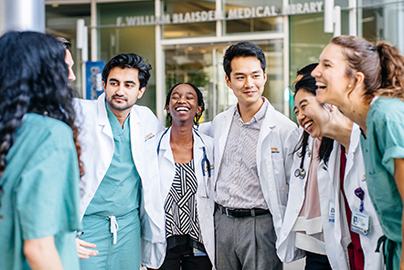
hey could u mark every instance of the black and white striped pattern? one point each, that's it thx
(180, 205)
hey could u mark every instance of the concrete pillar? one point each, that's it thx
(22, 15)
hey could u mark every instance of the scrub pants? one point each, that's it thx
(125, 254)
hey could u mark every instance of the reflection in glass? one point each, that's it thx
(244, 16)
(188, 11)
(61, 22)
(202, 65)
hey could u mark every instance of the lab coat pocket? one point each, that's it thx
(278, 167)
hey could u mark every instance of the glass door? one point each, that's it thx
(202, 65)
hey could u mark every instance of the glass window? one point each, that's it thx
(307, 41)
(379, 20)
(189, 18)
(135, 39)
(252, 16)
(203, 66)
(61, 22)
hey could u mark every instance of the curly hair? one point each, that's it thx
(201, 103)
(382, 65)
(129, 60)
(33, 78)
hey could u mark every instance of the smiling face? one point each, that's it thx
(310, 114)
(247, 80)
(333, 85)
(183, 104)
(122, 90)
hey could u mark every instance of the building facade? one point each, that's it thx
(184, 41)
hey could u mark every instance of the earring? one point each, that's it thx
(349, 86)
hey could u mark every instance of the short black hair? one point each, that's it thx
(243, 49)
(65, 43)
(306, 82)
(129, 60)
(307, 69)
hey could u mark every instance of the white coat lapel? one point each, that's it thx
(198, 156)
(267, 125)
(223, 133)
(136, 140)
(103, 121)
(353, 146)
(333, 170)
(167, 163)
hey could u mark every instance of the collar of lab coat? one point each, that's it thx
(165, 147)
(353, 147)
(103, 116)
(166, 157)
(269, 120)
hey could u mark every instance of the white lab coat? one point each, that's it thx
(336, 234)
(205, 203)
(354, 178)
(277, 139)
(285, 244)
(97, 145)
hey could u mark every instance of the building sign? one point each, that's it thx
(94, 79)
(212, 15)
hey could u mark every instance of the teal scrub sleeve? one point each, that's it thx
(48, 194)
(390, 139)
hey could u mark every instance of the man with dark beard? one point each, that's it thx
(119, 168)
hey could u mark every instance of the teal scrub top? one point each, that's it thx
(41, 192)
(118, 193)
(384, 143)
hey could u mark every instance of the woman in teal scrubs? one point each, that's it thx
(366, 83)
(39, 165)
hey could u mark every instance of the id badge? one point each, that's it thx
(360, 223)
(197, 252)
(331, 212)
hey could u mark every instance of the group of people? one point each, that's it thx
(104, 185)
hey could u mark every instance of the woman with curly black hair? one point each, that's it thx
(185, 158)
(39, 165)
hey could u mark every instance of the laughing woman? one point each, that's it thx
(329, 175)
(185, 159)
(366, 83)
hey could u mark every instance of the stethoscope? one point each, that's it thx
(205, 162)
(301, 172)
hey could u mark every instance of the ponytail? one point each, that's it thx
(383, 66)
(392, 71)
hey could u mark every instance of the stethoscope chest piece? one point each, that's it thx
(301, 173)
